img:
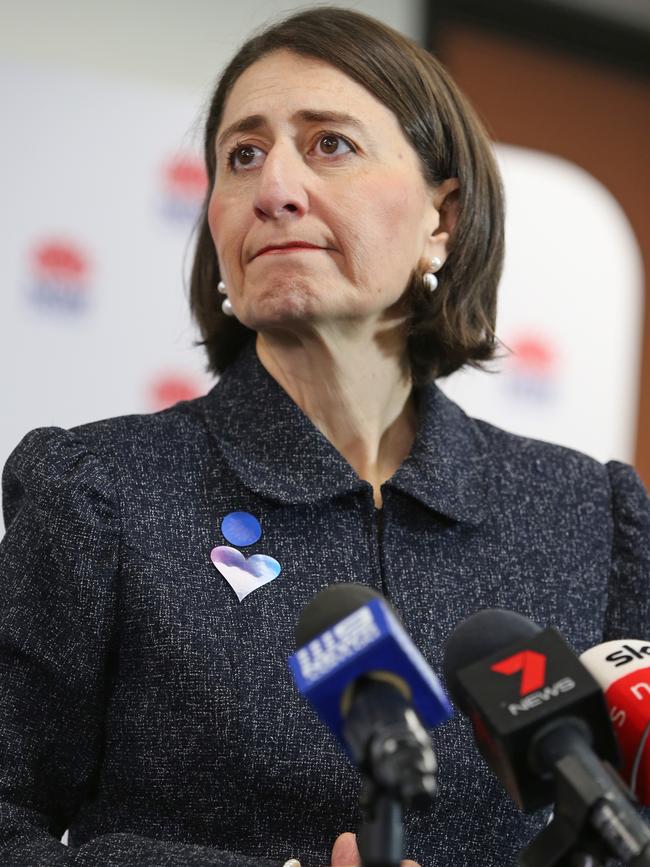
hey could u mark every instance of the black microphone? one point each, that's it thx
(541, 722)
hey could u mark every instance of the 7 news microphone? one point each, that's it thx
(373, 688)
(541, 721)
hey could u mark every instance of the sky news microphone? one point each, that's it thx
(622, 668)
(541, 722)
(372, 687)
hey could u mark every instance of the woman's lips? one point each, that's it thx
(292, 247)
(297, 249)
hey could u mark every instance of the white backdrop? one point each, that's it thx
(570, 311)
(101, 182)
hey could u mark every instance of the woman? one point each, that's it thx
(147, 705)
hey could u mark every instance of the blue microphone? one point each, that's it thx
(372, 688)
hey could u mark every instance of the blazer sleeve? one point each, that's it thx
(628, 611)
(59, 562)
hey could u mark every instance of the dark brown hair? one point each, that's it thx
(454, 325)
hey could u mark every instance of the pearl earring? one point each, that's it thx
(429, 277)
(226, 306)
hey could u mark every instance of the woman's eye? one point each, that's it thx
(331, 142)
(248, 156)
(243, 156)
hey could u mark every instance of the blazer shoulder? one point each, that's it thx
(554, 464)
(144, 432)
(89, 462)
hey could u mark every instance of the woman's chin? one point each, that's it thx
(284, 306)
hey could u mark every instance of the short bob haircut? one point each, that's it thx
(453, 326)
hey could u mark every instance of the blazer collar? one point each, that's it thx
(278, 452)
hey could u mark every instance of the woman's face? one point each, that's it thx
(306, 156)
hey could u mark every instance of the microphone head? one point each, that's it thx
(347, 632)
(513, 680)
(478, 636)
(329, 606)
(622, 668)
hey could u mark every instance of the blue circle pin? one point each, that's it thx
(241, 528)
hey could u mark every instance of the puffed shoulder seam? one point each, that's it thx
(52, 437)
(610, 468)
(626, 514)
(112, 477)
(612, 511)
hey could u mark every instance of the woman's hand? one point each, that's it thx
(346, 854)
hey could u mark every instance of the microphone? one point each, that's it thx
(622, 668)
(371, 687)
(519, 685)
(541, 722)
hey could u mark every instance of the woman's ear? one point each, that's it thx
(446, 204)
(447, 196)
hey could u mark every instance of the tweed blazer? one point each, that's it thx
(150, 712)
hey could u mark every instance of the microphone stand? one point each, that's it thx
(381, 834)
(594, 818)
(394, 754)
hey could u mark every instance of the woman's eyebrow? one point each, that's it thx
(328, 117)
(246, 124)
(257, 121)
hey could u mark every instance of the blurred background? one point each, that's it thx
(102, 178)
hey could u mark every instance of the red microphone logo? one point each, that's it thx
(532, 666)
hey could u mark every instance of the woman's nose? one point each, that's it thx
(281, 191)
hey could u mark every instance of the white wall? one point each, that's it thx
(177, 45)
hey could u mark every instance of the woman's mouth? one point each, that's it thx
(289, 247)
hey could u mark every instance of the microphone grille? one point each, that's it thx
(479, 636)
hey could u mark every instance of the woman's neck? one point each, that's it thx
(356, 389)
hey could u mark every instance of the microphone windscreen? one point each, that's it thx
(329, 607)
(348, 632)
(622, 668)
(515, 682)
(479, 636)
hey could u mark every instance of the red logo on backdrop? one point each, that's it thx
(60, 275)
(171, 388)
(532, 666)
(532, 367)
(534, 354)
(184, 185)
